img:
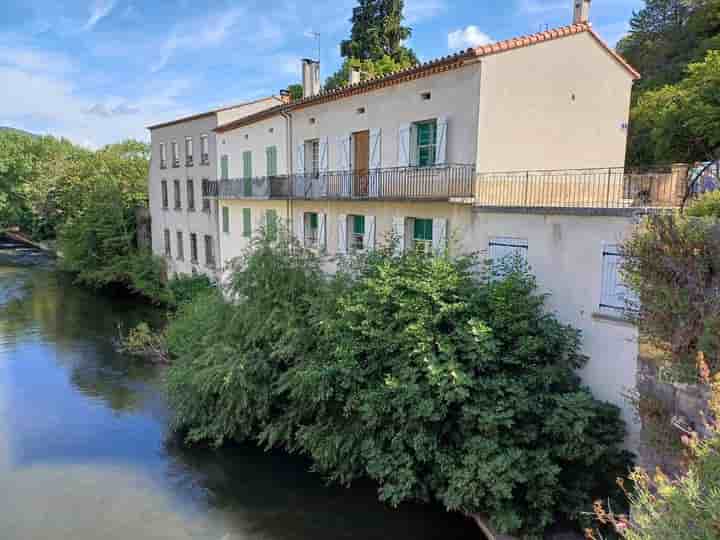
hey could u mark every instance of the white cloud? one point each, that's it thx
(419, 10)
(98, 11)
(465, 38)
(31, 59)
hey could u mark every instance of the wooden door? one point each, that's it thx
(361, 162)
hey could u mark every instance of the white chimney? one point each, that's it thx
(582, 11)
(354, 75)
(310, 77)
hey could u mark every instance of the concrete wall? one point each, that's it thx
(565, 254)
(529, 119)
(199, 222)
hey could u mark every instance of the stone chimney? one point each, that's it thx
(310, 77)
(582, 11)
(354, 75)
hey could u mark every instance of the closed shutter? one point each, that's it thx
(615, 296)
(399, 233)
(375, 162)
(300, 233)
(247, 165)
(271, 225)
(439, 235)
(322, 231)
(441, 141)
(300, 159)
(370, 232)
(226, 219)
(224, 167)
(271, 158)
(342, 233)
(247, 223)
(404, 146)
(324, 155)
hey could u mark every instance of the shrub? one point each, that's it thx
(673, 263)
(407, 369)
(184, 289)
(707, 205)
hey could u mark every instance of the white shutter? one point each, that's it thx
(441, 141)
(369, 232)
(399, 233)
(322, 231)
(324, 156)
(404, 146)
(375, 162)
(300, 233)
(344, 163)
(300, 162)
(342, 233)
(439, 235)
(615, 295)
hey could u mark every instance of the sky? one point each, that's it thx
(100, 71)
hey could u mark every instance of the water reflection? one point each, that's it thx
(85, 451)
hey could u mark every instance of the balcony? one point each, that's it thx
(612, 188)
(441, 183)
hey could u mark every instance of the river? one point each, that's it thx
(86, 454)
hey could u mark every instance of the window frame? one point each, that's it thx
(356, 239)
(209, 252)
(180, 246)
(312, 158)
(167, 242)
(193, 248)
(204, 149)
(226, 220)
(311, 234)
(175, 150)
(177, 195)
(422, 244)
(164, 195)
(418, 147)
(190, 188)
(163, 156)
(612, 285)
(188, 151)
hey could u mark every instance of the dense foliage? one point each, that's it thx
(673, 263)
(665, 37)
(414, 371)
(376, 42)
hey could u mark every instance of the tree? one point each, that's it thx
(681, 122)
(296, 91)
(376, 41)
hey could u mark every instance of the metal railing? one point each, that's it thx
(615, 187)
(267, 187)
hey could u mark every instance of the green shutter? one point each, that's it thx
(224, 168)
(313, 221)
(247, 164)
(247, 223)
(271, 154)
(226, 219)
(423, 229)
(271, 224)
(359, 225)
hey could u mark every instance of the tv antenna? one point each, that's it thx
(315, 35)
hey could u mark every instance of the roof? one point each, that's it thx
(439, 65)
(211, 112)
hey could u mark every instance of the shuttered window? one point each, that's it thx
(226, 219)
(209, 252)
(168, 249)
(616, 296)
(193, 248)
(311, 229)
(163, 156)
(423, 235)
(164, 189)
(271, 225)
(204, 149)
(191, 195)
(224, 167)
(271, 157)
(247, 223)
(425, 143)
(357, 232)
(180, 246)
(178, 197)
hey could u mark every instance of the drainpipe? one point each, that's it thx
(289, 161)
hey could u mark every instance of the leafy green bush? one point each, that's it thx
(410, 370)
(708, 205)
(184, 289)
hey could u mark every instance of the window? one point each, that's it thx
(163, 156)
(168, 249)
(180, 246)
(247, 223)
(193, 248)
(356, 226)
(226, 219)
(175, 154)
(425, 143)
(247, 173)
(224, 167)
(204, 149)
(505, 250)
(188, 151)
(271, 225)
(206, 200)
(164, 188)
(312, 158)
(209, 252)
(271, 158)
(191, 195)
(176, 190)
(423, 235)
(311, 228)
(615, 297)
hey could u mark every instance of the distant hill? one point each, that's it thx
(18, 131)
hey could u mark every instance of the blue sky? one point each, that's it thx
(98, 71)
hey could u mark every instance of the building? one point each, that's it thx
(423, 154)
(184, 162)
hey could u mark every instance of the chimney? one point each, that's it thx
(310, 77)
(582, 11)
(285, 96)
(354, 75)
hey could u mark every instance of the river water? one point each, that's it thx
(85, 451)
